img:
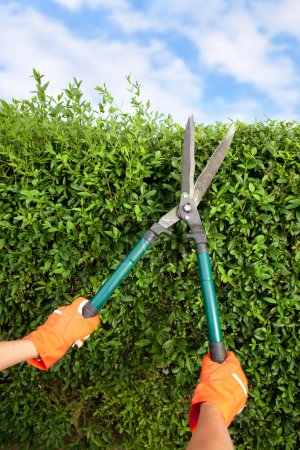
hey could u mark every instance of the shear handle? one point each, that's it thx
(111, 284)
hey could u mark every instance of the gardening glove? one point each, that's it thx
(66, 326)
(224, 385)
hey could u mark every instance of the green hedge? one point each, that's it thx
(78, 189)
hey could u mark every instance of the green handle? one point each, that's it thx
(91, 309)
(120, 273)
(217, 349)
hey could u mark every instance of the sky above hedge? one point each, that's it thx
(217, 58)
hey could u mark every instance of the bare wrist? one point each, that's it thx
(208, 406)
(31, 349)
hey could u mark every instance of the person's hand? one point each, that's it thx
(225, 385)
(63, 328)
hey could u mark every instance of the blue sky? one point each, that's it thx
(217, 59)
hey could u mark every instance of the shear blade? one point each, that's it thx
(205, 179)
(170, 218)
(188, 158)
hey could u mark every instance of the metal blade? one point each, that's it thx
(170, 218)
(188, 158)
(205, 179)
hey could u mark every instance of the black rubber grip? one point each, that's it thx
(217, 351)
(89, 311)
(155, 231)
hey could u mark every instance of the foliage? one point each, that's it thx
(79, 187)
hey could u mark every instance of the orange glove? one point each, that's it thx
(65, 326)
(224, 385)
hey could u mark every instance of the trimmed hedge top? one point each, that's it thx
(78, 188)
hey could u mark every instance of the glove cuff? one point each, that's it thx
(49, 348)
(204, 394)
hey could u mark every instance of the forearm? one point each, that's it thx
(14, 352)
(211, 432)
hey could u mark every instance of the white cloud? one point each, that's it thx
(279, 17)
(76, 5)
(131, 21)
(36, 41)
(236, 47)
(230, 38)
(246, 109)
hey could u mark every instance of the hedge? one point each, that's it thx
(79, 186)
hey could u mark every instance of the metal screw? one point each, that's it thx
(185, 195)
(187, 217)
(187, 207)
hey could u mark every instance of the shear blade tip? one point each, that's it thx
(191, 118)
(232, 129)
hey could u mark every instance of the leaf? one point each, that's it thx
(70, 225)
(169, 344)
(47, 265)
(137, 209)
(270, 300)
(143, 343)
(293, 203)
(114, 343)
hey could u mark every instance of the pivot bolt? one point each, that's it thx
(187, 207)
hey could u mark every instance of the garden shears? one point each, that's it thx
(191, 195)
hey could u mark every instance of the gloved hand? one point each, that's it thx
(64, 327)
(224, 385)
